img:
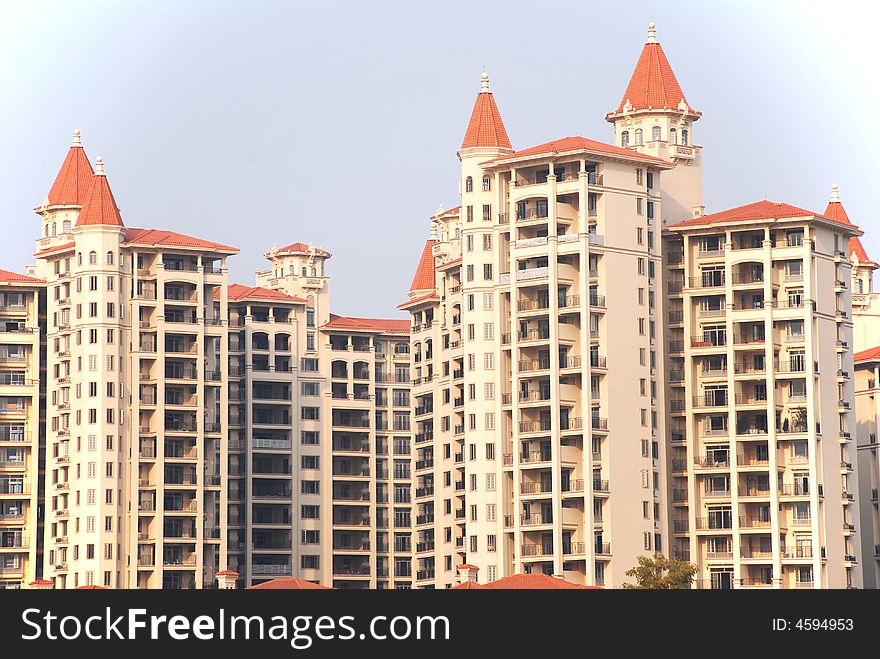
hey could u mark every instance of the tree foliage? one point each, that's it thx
(660, 573)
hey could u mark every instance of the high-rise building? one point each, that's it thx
(135, 366)
(22, 420)
(760, 398)
(592, 370)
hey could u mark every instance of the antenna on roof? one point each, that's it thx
(652, 33)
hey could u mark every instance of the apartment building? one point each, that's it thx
(351, 421)
(135, 367)
(760, 418)
(22, 421)
(266, 459)
(526, 367)
(867, 397)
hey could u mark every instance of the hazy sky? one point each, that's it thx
(253, 123)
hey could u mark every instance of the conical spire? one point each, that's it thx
(425, 277)
(74, 179)
(485, 127)
(835, 211)
(100, 207)
(653, 84)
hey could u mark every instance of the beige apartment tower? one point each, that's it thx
(760, 419)
(135, 373)
(22, 432)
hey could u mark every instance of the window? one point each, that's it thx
(490, 391)
(310, 389)
(487, 271)
(111, 282)
(309, 561)
(641, 266)
(309, 437)
(684, 136)
(673, 136)
(656, 133)
(639, 138)
(490, 482)
(624, 138)
(487, 301)
(469, 214)
(487, 242)
(310, 341)
(488, 331)
(638, 205)
(490, 421)
(469, 242)
(490, 361)
(640, 235)
(310, 537)
(487, 185)
(109, 258)
(310, 462)
(93, 258)
(487, 212)
(469, 273)
(469, 184)
(310, 316)
(310, 413)
(311, 487)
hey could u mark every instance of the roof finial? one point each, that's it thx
(433, 230)
(99, 166)
(834, 196)
(652, 33)
(484, 82)
(76, 140)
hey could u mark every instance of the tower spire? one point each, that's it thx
(485, 128)
(652, 33)
(835, 197)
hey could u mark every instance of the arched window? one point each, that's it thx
(314, 271)
(456, 233)
(93, 258)
(684, 136)
(624, 138)
(65, 226)
(639, 139)
(656, 133)
(469, 184)
(860, 286)
(486, 184)
(673, 136)
(292, 270)
(305, 271)
(46, 232)
(79, 258)
(53, 229)
(109, 258)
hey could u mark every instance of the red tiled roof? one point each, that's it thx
(100, 207)
(227, 573)
(162, 238)
(60, 248)
(653, 83)
(869, 355)
(575, 143)
(759, 210)
(91, 588)
(534, 582)
(485, 127)
(74, 180)
(288, 584)
(468, 585)
(450, 211)
(240, 292)
(424, 279)
(835, 211)
(300, 248)
(9, 277)
(418, 300)
(373, 324)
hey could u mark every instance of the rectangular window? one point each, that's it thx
(490, 361)
(469, 273)
(487, 212)
(469, 242)
(469, 213)
(490, 421)
(487, 271)
(487, 242)
(487, 301)
(490, 482)
(488, 331)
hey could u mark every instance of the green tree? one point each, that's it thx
(660, 573)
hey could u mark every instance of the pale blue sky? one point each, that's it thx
(259, 122)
